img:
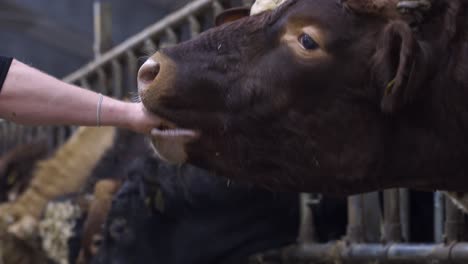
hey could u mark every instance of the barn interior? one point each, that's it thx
(98, 195)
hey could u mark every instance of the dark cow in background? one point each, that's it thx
(169, 214)
(175, 214)
(318, 96)
(164, 211)
(103, 183)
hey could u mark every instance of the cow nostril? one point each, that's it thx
(149, 71)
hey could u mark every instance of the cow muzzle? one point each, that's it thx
(155, 79)
(147, 74)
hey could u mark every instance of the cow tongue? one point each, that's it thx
(173, 132)
(169, 143)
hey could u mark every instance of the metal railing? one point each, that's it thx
(12, 135)
(114, 73)
(393, 243)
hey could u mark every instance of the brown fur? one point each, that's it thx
(386, 107)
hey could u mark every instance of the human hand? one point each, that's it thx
(141, 120)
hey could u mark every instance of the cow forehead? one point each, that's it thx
(329, 16)
(329, 13)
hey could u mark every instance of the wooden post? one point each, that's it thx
(102, 27)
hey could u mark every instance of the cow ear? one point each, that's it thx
(400, 66)
(232, 14)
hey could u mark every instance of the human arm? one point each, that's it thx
(31, 97)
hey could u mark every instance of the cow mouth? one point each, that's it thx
(172, 131)
(169, 142)
(166, 128)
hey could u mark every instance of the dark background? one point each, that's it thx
(56, 36)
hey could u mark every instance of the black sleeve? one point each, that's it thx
(4, 67)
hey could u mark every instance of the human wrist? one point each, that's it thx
(114, 113)
(126, 115)
(132, 116)
(128, 112)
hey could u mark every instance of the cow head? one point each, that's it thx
(292, 98)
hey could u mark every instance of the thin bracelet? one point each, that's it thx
(98, 112)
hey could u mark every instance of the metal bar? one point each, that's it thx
(117, 79)
(405, 214)
(3, 133)
(150, 47)
(132, 69)
(101, 81)
(136, 41)
(11, 135)
(371, 217)
(21, 135)
(102, 27)
(454, 222)
(195, 27)
(392, 221)
(393, 253)
(73, 129)
(42, 133)
(84, 83)
(4, 137)
(217, 8)
(61, 135)
(438, 217)
(170, 38)
(355, 232)
(307, 226)
(50, 138)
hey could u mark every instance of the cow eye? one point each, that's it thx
(308, 42)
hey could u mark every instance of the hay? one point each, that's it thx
(57, 228)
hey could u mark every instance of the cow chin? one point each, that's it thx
(170, 145)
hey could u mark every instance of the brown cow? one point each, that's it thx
(318, 96)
